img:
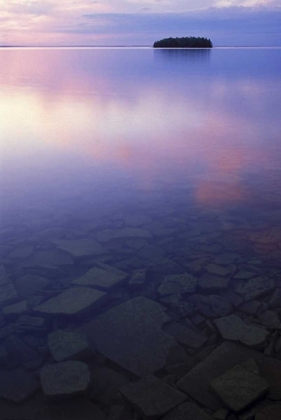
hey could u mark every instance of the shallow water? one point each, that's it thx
(167, 161)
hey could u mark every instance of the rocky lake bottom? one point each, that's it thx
(153, 309)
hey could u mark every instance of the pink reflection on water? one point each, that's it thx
(60, 107)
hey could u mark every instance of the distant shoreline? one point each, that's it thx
(128, 47)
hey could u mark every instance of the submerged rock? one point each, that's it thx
(30, 284)
(8, 294)
(151, 397)
(81, 247)
(101, 279)
(178, 283)
(233, 328)
(126, 233)
(65, 379)
(131, 335)
(65, 345)
(238, 388)
(186, 411)
(71, 302)
(17, 385)
(255, 288)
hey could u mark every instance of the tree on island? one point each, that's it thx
(185, 42)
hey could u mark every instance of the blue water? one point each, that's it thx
(174, 153)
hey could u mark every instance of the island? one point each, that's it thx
(185, 42)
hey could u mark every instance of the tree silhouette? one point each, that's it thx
(185, 42)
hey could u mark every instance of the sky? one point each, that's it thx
(138, 22)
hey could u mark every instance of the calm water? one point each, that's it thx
(87, 130)
(137, 158)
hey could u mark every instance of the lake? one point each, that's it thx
(140, 227)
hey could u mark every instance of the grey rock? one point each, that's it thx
(82, 247)
(3, 355)
(7, 331)
(272, 412)
(21, 252)
(196, 382)
(218, 270)
(164, 266)
(221, 414)
(185, 336)
(101, 279)
(72, 302)
(50, 257)
(255, 288)
(226, 258)
(232, 298)
(65, 345)
(76, 409)
(8, 294)
(30, 284)
(106, 384)
(32, 322)
(270, 319)
(233, 328)
(186, 411)
(17, 309)
(208, 283)
(178, 283)
(65, 379)
(275, 301)
(251, 307)
(4, 278)
(219, 305)
(137, 220)
(152, 397)
(130, 334)
(238, 388)
(118, 412)
(137, 279)
(17, 385)
(126, 233)
(244, 275)
(19, 350)
(136, 243)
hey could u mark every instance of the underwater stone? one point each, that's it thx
(65, 345)
(65, 379)
(8, 294)
(101, 279)
(71, 302)
(152, 397)
(238, 388)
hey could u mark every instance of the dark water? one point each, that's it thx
(163, 161)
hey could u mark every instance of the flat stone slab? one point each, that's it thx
(101, 279)
(238, 388)
(8, 294)
(152, 397)
(255, 288)
(17, 309)
(233, 328)
(65, 345)
(196, 382)
(185, 336)
(30, 284)
(186, 411)
(126, 233)
(21, 252)
(106, 384)
(71, 302)
(65, 379)
(82, 247)
(218, 270)
(272, 412)
(275, 301)
(131, 335)
(50, 257)
(76, 409)
(208, 283)
(178, 283)
(17, 385)
(4, 278)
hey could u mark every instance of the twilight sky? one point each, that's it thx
(139, 22)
